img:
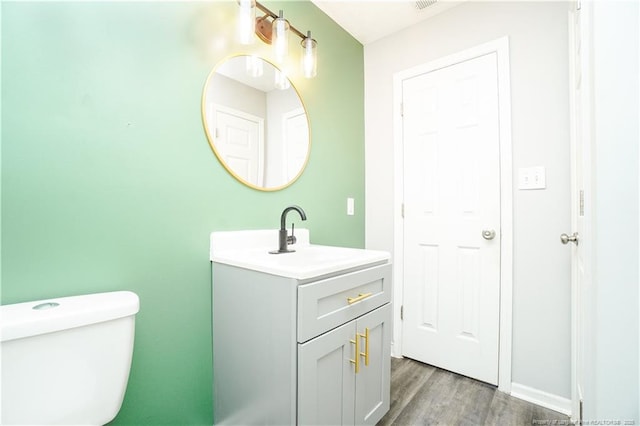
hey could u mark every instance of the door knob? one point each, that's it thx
(564, 238)
(488, 234)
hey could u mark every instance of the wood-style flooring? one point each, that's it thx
(426, 395)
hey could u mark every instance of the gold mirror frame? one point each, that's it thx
(207, 120)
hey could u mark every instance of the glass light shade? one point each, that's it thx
(280, 38)
(246, 21)
(281, 80)
(255, 66)
(309, 56)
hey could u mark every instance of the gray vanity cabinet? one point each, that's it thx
(284, 350)
(330, 391)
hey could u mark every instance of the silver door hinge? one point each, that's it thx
(401, 312)
(581, 413)
(402, 210)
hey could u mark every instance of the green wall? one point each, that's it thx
(109, 183)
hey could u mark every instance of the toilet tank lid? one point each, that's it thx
(46, 316)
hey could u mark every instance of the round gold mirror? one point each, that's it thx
(256, 123)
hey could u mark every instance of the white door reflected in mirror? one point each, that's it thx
(257, 127)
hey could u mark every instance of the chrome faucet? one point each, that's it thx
(284, 239)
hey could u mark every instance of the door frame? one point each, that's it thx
(575, 394)
(501, 48)
(581, 286)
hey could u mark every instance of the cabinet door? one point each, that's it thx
(326, 379)
(373, 381)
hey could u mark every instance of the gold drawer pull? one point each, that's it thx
(365, 354)
(361, 296)
(356, 361)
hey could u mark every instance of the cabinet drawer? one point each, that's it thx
(326, 304)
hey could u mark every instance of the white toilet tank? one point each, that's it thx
(66, 360)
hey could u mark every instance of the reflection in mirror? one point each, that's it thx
(256, 123)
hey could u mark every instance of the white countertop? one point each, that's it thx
(250, 250)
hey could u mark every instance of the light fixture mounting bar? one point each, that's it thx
(274, 16)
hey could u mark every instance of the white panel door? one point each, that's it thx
(239, 140)
(452, 218)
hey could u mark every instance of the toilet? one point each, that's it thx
(66, 361)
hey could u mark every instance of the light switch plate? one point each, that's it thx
(350, 206)
(532, 178)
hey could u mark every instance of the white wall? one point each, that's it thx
(233, 94)
(540, 133)
(614, 394)
(279, 102)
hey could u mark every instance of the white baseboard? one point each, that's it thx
(544, 399)
(395, 351)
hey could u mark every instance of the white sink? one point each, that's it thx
(250, 250)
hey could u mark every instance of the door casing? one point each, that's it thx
(581, 120)
(501, 48)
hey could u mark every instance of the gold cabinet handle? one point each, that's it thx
(356, 361)
(365, 354)
(361, 296)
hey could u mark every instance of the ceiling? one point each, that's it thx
(237, 68)
(370, 20)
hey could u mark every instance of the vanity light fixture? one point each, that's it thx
(280, 37)
(246, 21)
(275, 29)
(309, 57)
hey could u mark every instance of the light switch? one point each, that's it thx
(350, 206)
(532, 178)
